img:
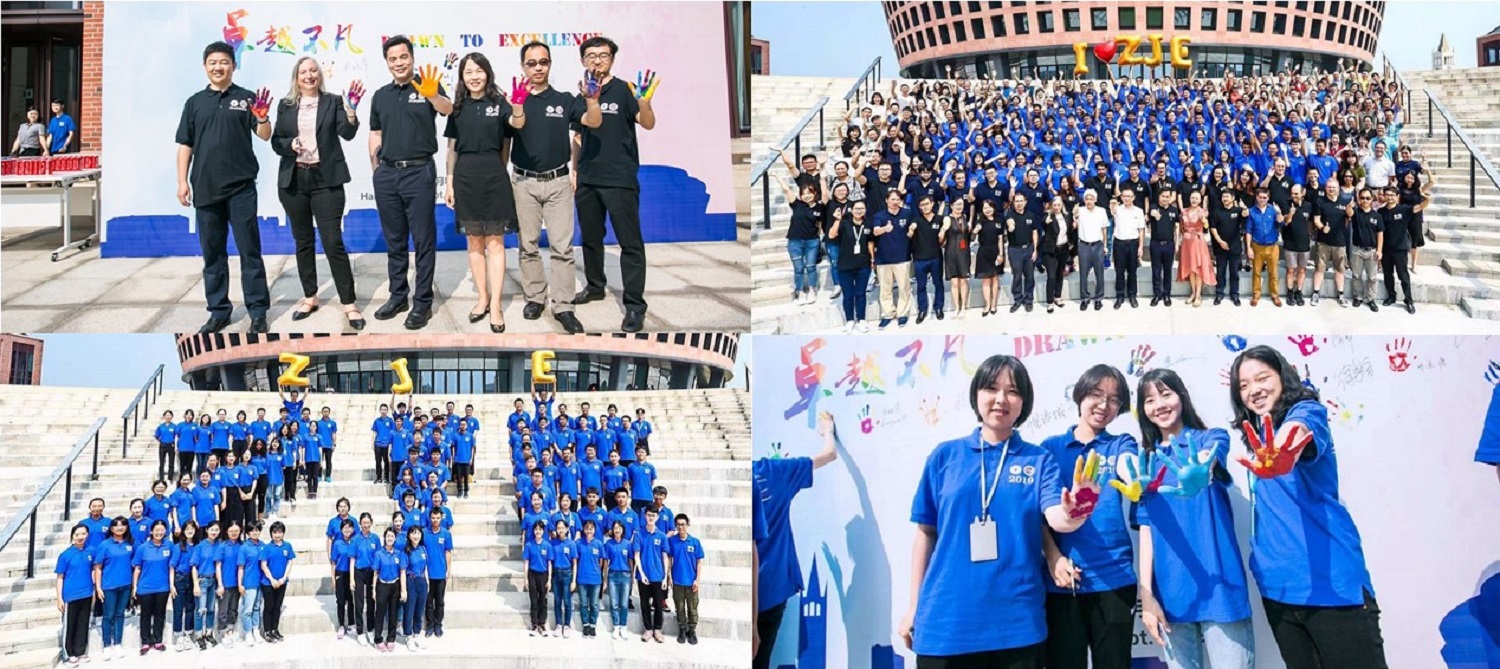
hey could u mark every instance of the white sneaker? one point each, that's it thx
(531, 632)
(862, 326)
(229, 640)
(848, 327)
(835, 293)
(411, 644)
(565, 631)
(360, 639)
(812, 296)
(108, 654)
(119, 651)
(958, 314)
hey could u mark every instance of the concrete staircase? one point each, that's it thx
(1459, 267)
(701, 448)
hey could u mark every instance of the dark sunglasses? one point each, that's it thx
(545, 62)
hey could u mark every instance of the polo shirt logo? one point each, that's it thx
(554, 111)
(610, 108)
(492, 110)
(413, 97)
(239, 105)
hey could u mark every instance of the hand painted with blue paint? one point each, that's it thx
(1191, 468)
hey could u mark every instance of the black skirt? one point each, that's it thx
(483, 202)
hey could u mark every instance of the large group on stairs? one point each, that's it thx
(961, 178)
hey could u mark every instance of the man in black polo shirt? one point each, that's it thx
(1396, 254)
(541, 154)
(1020, 237)
(1331, 220)
(1228, 231)
(607, 183)
(1367, 235)
(1162, 218)
(403, 137)
(214, 138)
(1135, 184)
(927, 255)
(1296, 241)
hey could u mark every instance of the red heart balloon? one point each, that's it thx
(1105, 51)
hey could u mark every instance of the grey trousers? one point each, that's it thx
(549, 203)
(1091, 261)
(1365, 268)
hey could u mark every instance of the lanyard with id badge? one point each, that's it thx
(984, 532)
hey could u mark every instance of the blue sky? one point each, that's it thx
(839, 39)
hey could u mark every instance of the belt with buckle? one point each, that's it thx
(543, 176)
(403, 164)
(308, 166)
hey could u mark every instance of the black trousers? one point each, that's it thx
(653, 599)
(153, 617)
(1394, 262)
(1096, 625)
(314, 472)
(215, 221)
(364, 600)
(343, 596)
(239, 446)
(1052, 264)
(623, 206)
(768, 624)
(1317, 637)
(258, 505)
(536, 592)
(1027, 657)
(185, 465)
(76, 627)
(1161, 269)
(289, 478)
(270, 620)
(166, 464)
(436, 588)
(308, 200)
(1227, 271)
(326, 466)
(461, 476)
(1127, 261)
(233, 513)
(221, 453)
(405, 199)
(382, 463)
(387, 610)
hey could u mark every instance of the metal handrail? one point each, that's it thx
(792, 138)
(130, 419)
(1478, 160)
(867, 81)
(1401, 81)
(64, 471)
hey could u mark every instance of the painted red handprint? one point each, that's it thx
(520, 89)
(1305, 344)
(866, 423)
(261, 105)
(1398, 353)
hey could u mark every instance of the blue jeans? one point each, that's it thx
(1220, 645)
(250, 609)
(273, 497)
(113, 627)
(854, 285)
(416, 605)
(208, 604)
(619, 593)
(831, 249)
(924, 269)
(588, 603)
(562, 596)
(183, 604)
(804, 254)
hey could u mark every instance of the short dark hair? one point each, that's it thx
(218, 47)
(59, 101)
(1096, 375)
(1292, 388)
(394, 40)
(598, 40)
(989, 371)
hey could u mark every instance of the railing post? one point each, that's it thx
(1472, 162)
(68, 495)
(1429, 113)
(94, 476)
(1450, 142)
(798, 143)
(124, 437)
(31, 548)
(765, 200)
(822, 134)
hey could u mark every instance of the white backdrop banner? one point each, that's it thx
(153, 60)
(1406, 416)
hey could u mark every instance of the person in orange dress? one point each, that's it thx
(1196, 265)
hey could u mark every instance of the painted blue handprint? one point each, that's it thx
(1190, 468)
(1492, 373)
(1234, 343)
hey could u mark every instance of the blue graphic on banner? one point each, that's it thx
(674, 208)
(812, 648)
(1471, 631)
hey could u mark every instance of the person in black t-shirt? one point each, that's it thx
(1296, 243)
(1396, 253)
(1163, 219)
(802, 240)
(927, 256)
(1331, 220)
(1021, 241)
(808, 175)
(1367, 233)
(1228, 232)
(607, 184)
(213, 138)
(856, 260)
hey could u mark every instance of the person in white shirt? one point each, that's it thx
(1129, 245)
(1380, 172)
(1092, 222)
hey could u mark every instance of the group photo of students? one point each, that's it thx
(1296, 178)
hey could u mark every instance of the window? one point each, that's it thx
(1023, 23)
(1233, 23)
(1209, 19)
(943, 33)
(921, 41)
(1343, 34)
(1491, 55)
(1302, 6)
(932, 37)
(1333, 9)
(1127, 18)
(1328, 30)
(1299, 25)
(937, 8)
(1258, 22)
(1317, 27)
(963, 35)
(1347, 7)
(926, 14)
(1099, 19)
(997, 25)
(955, 8)
(978, 27)
(973, 7)
(1044, 21)
(1182, 18)
(1071, 21)
(1153, 18)
(22, 361)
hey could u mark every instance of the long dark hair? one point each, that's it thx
(1168, 379)
(491, 91)
(1292, 389)
(181, 537)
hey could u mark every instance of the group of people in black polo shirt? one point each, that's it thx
(549, 175)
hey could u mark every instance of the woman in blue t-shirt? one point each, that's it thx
(1305, 551)
(1194, 598)
(75, 594)
(415, 607)
(276, 458)
(206, 585)
(537, 554)
(153, 583)
(977, 595)
(227, 561)
(619, 553)
(112, 572)
(389, 564)
(341, 561)
(183, 606)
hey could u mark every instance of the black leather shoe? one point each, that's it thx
(1098, 305)
(532, 311)
(1167, 301)
(587, 296)
(921, 316)
(1218, 299)
(1083, 306)
(1028, 307)
(1015, 306)
(1411, 308)
(1119, 301)
(569, 322)
(298, 315)
(635, 319)
(214, 324)
(389, 310)
(258, 325)
(1155, 301)
(1372, 306)
(1387, 301)
(939, 315)
(475, 318)
(417, 319)
(1235, 299)
(1134, 304)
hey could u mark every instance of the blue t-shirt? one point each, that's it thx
(598, 515)
(159, 509)
(341, 553)
(1298, 519)
(384, 428)
(183, 563)
(187, 437)
(205, 504)
(275, 467)
(966, 606)
(776, 481)
(619, 554)
(463, 448)
(260, 429)
(1199, 574)
(228, 558)
(631, 522)
(569, 476)
(182, 502)
(293, 409)
(626, 440)
(58, 128)
(220, 431)
(249, 558)
(388, 564)
(77, 568)
(416, 561)
(276, 557)
(563, 554)
(1263, 225)
(166, 433)
(892, 247)
(365, 546)
(537, 555)
(515, 419)
(328, 428)
(334, 531)
(651, 549)
(98, 530)
(438, 544)
(204, 555)
(140, 529)
(115, 559)
(642, 477)
(156, 566)
(590, 475)
(1489, 438)
(685, 556)
(311, 444)
(1102, 547)
(239, 431)
(614, 479)
(590, 557)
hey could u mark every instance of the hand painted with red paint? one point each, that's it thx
(520, 89)
(355, 93)
(1273, 459)
(1080, 500)
(261, 105)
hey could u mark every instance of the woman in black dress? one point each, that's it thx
(987, 265)
(478, 186)
(957, 255)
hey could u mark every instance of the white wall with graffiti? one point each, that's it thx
(1407, 415)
